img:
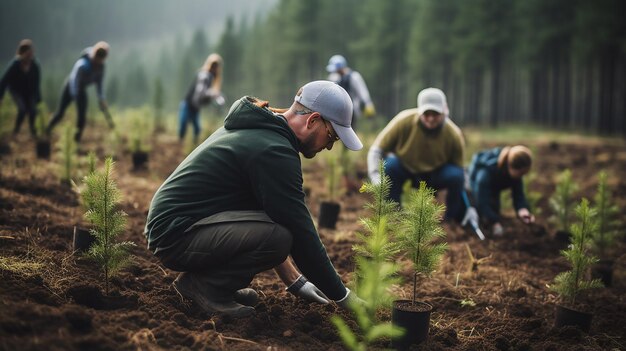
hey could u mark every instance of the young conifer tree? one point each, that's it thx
(67, 153)
(92, 159)
(562, 199)
(41, 121)
(571, 283)
(101, 197)
(606, 234)
(375, 270)
(420, 228)
(332, 177)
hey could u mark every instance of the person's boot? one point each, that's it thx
(247, 296)
(188, 288)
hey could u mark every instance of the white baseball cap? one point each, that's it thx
(431, 99)
(335, 106)
(335, 63)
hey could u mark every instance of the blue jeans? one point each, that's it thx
(187, 113)
(448, 177)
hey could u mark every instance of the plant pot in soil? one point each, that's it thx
(566, 316)
(603, 270)
(329, 213)
(414, 319)
(563, 237)
(43, 149)
(5, 148)
(139, 159)
(82, 239)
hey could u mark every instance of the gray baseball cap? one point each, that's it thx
(432, 99)
(335, 106)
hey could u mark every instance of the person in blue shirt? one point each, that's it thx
(22, 78)
(89, 69)
(497, 169)
(205, 88)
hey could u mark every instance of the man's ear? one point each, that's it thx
(312, 119)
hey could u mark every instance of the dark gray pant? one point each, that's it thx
(225, 256)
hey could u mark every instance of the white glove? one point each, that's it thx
(497, 229)
(220, 100)
(349, 299)
(471, 216)
(306, 290)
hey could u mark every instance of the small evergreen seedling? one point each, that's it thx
(376, 276)
(91, 162)
(158, 103)
(333, 174)
(607, 211)
(67, 153)
(375, 244)
(420, 228)
(375, 270)
(562, 199)
(41, 122)
(571, 283)
(139, 127)
(101, 198)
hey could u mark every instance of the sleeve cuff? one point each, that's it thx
(345, 297)
(297, 285)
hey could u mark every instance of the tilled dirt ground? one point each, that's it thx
(55, 301)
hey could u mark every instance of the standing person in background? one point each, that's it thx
(23, 78)
(497, 169)
(352, 82)
(87, 70)
(206, 87)
(423, 144)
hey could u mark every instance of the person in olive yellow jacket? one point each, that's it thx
(423, 144)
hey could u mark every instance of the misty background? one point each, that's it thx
(553, 63)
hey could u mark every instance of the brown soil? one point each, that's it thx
(502, 305)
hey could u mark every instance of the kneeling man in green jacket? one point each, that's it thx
(235, 206)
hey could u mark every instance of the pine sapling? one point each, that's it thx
(562, 199)
(158, 103)
(376, 276)
(138, 130)
(41, 122)
(67, 153)
(375, 269)
(420, 229)
(570, 284)
(606, 234)
(91, 162)
(333, 171)
(101, 197)
(375, 244)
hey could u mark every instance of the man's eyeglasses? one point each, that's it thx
(331, 138)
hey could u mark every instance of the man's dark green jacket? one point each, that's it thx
(252, 163)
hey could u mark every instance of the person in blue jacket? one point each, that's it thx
(497, 169)
(89, 69)
(22, 78)
(205, 88)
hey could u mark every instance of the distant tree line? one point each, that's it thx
(556, 63)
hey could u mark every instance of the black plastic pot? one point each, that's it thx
(603, 270)
(567, 316)
(82, 239)
(5, 147)
(562, 237)
(414, 319)
(43, 149)
(329, 213)
(139, 159)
